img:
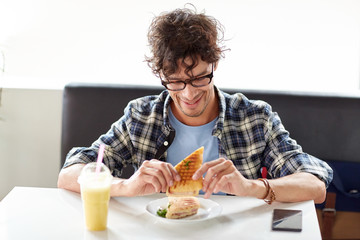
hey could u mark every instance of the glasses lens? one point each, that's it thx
(175, 86)
(200, 82)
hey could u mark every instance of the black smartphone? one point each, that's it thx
(287, 220)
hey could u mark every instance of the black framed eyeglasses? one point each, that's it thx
(195, 82)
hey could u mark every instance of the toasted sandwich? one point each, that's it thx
(186, 169)
(180, 207)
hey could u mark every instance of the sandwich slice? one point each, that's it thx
(186, 169)
(180, 207)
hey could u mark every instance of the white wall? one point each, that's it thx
(277, 44)
(30, 123)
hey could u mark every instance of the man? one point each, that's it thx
(240, 136)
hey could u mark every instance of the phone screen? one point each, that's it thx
(287, 220)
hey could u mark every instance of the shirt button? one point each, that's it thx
(166, 143)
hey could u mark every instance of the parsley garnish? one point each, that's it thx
(161, 212)
(187, 164)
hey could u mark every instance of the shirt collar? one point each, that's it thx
(219, 126)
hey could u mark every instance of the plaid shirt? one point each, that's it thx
(248, 132)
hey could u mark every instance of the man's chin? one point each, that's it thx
(192, 113)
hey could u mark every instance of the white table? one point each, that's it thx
(50, 213)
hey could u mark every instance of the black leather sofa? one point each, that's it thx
(325, 125)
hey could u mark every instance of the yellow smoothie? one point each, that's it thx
(96, 203)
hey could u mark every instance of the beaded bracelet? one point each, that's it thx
(268, 191)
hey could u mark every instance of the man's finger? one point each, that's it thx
(151, 180)
(204, 168)
(157, 176)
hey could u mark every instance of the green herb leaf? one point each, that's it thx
(161, 212)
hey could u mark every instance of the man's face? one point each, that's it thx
(191, 105)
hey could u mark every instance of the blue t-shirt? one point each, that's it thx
(189, 138)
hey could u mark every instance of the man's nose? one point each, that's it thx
(189, 91)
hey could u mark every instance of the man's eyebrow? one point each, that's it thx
(180, 79)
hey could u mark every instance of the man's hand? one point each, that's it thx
(221, 175)
(152, 177)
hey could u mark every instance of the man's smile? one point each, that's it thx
(191, 103)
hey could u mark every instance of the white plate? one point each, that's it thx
(208, 209)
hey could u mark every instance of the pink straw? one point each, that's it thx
(100, 158)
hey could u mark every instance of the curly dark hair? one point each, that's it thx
(180, 34)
